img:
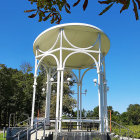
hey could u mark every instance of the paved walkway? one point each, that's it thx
(40, 134)
(125, 138)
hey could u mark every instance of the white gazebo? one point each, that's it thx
(72, 46)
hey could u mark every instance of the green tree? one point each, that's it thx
(24, 82)
(26, 67)
(40, 97)
(90, 113)
(52, 9)
(15, 93)
(133, 112)
(115, 115)
(16, 90)
(124, 118)
(5, 93)
(96, 112)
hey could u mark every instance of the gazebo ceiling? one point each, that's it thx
(78, 34)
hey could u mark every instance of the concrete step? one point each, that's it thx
(40, 134)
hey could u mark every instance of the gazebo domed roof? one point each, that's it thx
(80, 35)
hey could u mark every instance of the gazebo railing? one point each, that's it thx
(71, 124)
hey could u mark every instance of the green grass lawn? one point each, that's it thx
(124, 132)
(135, 129)
(1, 137)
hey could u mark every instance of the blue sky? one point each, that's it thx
(17, 33)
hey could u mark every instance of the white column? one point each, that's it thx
(50, 86)
(61, 76)
(80, 85)
(105, 99)
(101, 109)
(48, 92)
(61, 99)
(80, 101)
(34, 92)
(105, 109)
(47, 87)
(100, 90)
(33, 101)
(78, 105)
(57, 100)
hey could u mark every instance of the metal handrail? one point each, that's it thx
(128, 130)
(31, 129)
(27, 120)
(82, 124)
(81, 118)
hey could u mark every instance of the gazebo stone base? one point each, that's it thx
(81, 136)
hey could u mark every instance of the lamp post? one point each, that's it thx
(59, 104)
(43, 90)
(85, 92)
(12, 114)
(53, 82)
(38, 112)
(106, 88)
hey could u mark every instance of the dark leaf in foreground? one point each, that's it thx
(26, 11)
(59, 19)
(121, 1)
(85, 5)
(52, 20)
(135, 10)
(46, 18)
(104, 2)
(138, 1)
(32, 16)
(76, 3)
(106, 9)
(68, 6)
(125, 6)
(68, 11)
(44, 7)
(56, 18)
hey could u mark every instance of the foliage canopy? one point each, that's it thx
(16, 89)
(52, 9)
